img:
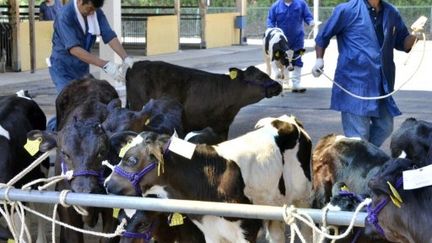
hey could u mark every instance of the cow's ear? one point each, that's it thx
(113, 104)
(46, 140)
(119, 139)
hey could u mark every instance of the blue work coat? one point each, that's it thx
(67, 34)
(290, 20)
(364, 67)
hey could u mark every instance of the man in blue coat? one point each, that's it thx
(289, 16)
(367, 31)
(75, 30)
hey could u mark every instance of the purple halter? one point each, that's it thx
(98, 174)
(373, 213)
(145, 236)
(135, 177)
(357, 197)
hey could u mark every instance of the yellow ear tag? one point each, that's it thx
(32, 146)
(147, 121)
(344, 188)
(233, 74)
(116, 212)
(10, 241)
(395, 201)
(124, 149)
(161, 167)
(176, 219)
(277, 54)
(394, 192)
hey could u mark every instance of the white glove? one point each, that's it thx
(418, 25)
(312, 23)
(129, 62)
(114, 70)
(318, 68)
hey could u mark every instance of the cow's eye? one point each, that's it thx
(132, 161)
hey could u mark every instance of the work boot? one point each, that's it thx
(296, 87)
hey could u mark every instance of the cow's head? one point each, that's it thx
(288, 57)
(413, 138)
(140, 225)
(81, 147)
(263, 85)
(393, 219)
(122, 119)
(141, 164)
(289, 133)
(162, 115)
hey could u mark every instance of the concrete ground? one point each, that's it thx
(311, 107)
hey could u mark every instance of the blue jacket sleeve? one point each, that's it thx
(106, 32)
(334, 25)
(307, 15)
(401, 33)
(271, 18)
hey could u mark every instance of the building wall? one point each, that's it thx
(43, 36)
(162, 35)
(220, 30)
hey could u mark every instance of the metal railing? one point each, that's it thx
(181, 206)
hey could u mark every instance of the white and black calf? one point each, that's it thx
(208, 99)
(19, 114)
(270, 166)
(412, 140)
(405, 218)
(278, 56)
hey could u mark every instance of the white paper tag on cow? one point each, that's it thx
(417, 178)
(181, 147)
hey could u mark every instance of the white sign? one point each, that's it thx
(417, 178)
(182, 147)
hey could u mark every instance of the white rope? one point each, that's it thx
(49, 181)
(118, 232)
(290, 213)
(389, 94)
(77, 208)
(28, 168)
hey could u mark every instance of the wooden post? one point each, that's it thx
(203, 14)
(14, 20)
(31, 9)
(177, 12)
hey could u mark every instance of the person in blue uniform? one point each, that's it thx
(367, 31)
(289, 15)
(75, 30)
(48, 9)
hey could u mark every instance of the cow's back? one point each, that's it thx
(154, 79)
(80, 91)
